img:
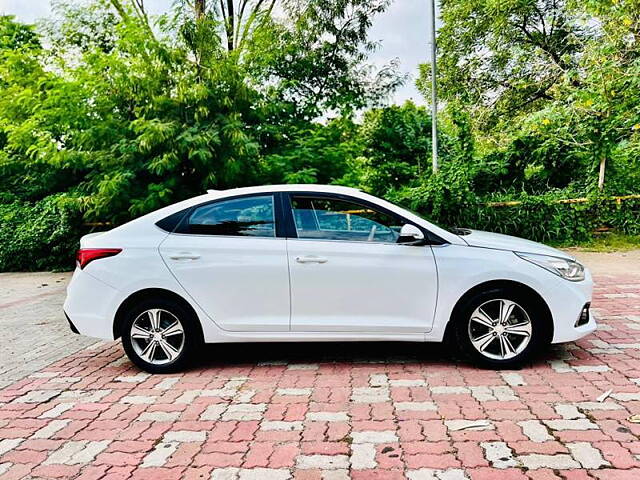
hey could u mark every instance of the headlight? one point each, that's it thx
(563, 267)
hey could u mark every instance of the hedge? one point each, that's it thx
(544, 218)
(45, 235)
(38, 236)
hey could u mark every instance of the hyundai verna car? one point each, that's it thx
(319, 263)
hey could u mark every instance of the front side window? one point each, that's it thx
(240, 217)
(335, 219)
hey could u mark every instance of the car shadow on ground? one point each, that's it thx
(236, 354)
(321, 352)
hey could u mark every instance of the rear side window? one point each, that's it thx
(169, 224)
(239, 217)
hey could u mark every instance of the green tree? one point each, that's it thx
(505, 57)
(17, 36)
(396, 147)
(314, 153)
(146, 115)
(114, 114)
(550, 87)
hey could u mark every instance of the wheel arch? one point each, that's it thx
(493, 284)
(150, 293)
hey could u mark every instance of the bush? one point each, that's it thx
(449, 200)
(44, 235)
(39, 236)
(543, 218)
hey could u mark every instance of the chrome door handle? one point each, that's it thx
(311, 259)
(184, 256)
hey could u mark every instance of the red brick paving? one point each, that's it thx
(394, 414)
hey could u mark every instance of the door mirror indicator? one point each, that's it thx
(411, 235)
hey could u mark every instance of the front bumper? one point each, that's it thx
(567, 305)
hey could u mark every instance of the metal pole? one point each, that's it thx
(434, 91)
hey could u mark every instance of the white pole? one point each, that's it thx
(434, 91)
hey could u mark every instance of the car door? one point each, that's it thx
(348, 274)
(227, 256)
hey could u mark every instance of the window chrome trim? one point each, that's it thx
(353, 241)
(250, 237)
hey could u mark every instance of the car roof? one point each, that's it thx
(285, 188)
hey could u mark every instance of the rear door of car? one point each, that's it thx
(228, 256)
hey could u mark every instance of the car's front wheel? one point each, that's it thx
(160, 336)
(500, 328)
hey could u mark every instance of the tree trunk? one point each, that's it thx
(230, 25)
(200, 7)
(603, 162)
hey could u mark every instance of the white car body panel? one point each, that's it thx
(362, 287)
(498, 241)
(368, 292)
(241, 282)
(462, 268)
(96, 292)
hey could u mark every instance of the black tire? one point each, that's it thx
(192, 334)
(491, 299)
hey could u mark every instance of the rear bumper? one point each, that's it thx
(72, 327)
(90, 306)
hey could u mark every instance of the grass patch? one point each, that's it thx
(605, 242)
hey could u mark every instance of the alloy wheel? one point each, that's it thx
(500, 329)
(157, 336)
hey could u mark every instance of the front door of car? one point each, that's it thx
(348, 274)
(226, 255)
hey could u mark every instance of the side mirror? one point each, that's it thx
(411, 235)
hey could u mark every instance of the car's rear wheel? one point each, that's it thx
(160, 335)
(500, 328)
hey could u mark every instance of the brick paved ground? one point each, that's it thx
(374, 411)
(34, 332)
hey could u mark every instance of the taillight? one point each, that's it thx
(87, 255)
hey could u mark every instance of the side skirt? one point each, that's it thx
(315, 337)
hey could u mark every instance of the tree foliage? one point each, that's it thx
(107, 113)
(126, 116)
(505, 57)
(552, 88)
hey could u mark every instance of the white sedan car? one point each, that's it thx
(319, 263)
